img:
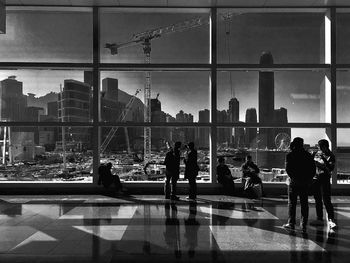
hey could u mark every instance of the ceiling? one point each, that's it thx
(181, 3)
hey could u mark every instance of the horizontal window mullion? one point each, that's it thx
(343, 125)
(155, 124)
(271, 125)
(154, 67)
(44, 65)
(44, 124)
(275, 66)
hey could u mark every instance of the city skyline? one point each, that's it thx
(310, 134)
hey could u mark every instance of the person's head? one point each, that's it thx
(221, 160)
(297, 143)
(248, 158)
(190, 145)
(109, 165)
(177, 145)
(323, 145)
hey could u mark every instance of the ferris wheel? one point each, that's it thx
(282, 141)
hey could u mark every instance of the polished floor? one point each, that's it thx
(150, 229)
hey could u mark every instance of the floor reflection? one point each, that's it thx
(137, 229)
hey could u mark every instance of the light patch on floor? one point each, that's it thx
(239, 213)
(114, 233)
(104, 212)
(37, 237)
(245, 238)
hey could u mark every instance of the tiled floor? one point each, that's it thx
(150, 229)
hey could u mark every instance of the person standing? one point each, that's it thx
(172, 171)
(325, 162)
(191, 170)
(300, 168)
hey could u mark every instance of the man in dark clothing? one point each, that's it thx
(172, 171)
(224, 177)
(300, 168)
(325, 162)
(191, 170)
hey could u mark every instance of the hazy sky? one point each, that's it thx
(67, 37)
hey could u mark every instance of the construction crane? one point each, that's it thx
(121, 118)
(144, 39)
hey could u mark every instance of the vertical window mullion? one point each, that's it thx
(213, 95)
(96, 88)
(333, 47)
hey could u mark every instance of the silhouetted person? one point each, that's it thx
(250, 173)
(224, 177)
(191, 170)
(325, 162)
(300, 168)
(191, 229)
(172, 229)
(106, 178)
(172, 171)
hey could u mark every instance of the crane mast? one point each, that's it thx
(144, 38)
(121, 118)
(147, 98)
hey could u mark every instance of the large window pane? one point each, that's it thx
(273, 97)
(60, 154)
(291, 36)
(235, 143)
(35, 95)
(47, 35)
(175, 96)
(343, 39)
(124, 148)
(343, 156)
(187, 42)
(343, 95)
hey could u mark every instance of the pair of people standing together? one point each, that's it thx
(172, 170)
(304, 170)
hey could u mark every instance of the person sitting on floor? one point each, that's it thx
(106, 178)
(224, 177)
(251, 175)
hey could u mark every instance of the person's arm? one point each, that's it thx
(244, 170)
(289, 166)
(228, 172)
(100, 172)
(329, 162)
(256, 168)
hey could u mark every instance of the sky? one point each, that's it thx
(67, 37)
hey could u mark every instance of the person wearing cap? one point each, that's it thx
(300, 168)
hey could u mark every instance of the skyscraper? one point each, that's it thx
(203, 133)
(75, 106)
(12, 100)
(250, 133)
(157, 115)
(266, 100)
(223, 134)
(110, 89)
(233, 110)
(233, 117)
